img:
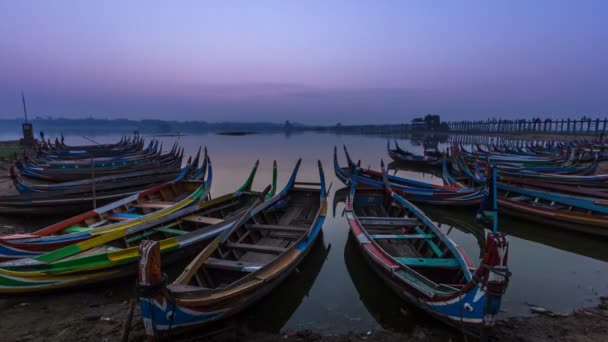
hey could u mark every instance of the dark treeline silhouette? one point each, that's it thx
(427, 124)
(90, 125)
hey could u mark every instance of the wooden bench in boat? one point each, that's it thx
(154, 205)
(431, 243)
(171, 231)
(402, 236)
(285, 235)
(233, 265)
(276, 227)
(257, 248)
(389, 221)
(201, 219)
(429, 262)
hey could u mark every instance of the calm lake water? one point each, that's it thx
(335, 291)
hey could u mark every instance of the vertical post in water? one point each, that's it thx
(93, 182)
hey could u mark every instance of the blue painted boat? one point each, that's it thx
(410, 189)
(239, 267)
(422, 265)
(403, 156)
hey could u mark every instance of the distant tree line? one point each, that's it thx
(91, 125)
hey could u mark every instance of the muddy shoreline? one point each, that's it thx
(98, 314)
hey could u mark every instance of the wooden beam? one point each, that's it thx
(201, 219)
(154, 205)
(276, 227)
(257, 248)
(233, 265)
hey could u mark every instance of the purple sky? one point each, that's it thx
(307, 61)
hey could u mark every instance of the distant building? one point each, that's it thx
(430, 123)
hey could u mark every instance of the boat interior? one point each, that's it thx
(223, 209)
(260, 240)
(406, 238)
(146, 204)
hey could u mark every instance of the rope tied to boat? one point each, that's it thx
(148, 291)
(493, 287)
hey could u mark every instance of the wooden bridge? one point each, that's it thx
(541, 126)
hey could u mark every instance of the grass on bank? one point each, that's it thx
(8, 150)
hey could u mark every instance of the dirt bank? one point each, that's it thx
(98, 315)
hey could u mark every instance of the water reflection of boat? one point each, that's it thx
(275, 310)
(272, 313)
(459, 219)
(385, 306)
(574, 243)
(396, 166)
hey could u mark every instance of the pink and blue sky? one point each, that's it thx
(316, 62)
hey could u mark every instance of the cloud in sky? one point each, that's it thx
(313, 61)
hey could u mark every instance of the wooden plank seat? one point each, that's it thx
(431, 243)
(429, 262)
(276, 227)
(171, 231)
(256, 248)
(201, 219)
(233, 265)
(287, 235)
(154, 205)
(389, 221)
(402, 236)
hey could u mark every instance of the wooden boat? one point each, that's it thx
(413, 190)
(424, 267)
(580, 214)
(84, 195)
(58, 162)
(60, 150)
(458, 163)
(580, 210)
(399, 155)
(139, 208)
(112, 182)
(237, 268)
(115, 254)
(128, 180)
(171, 159)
